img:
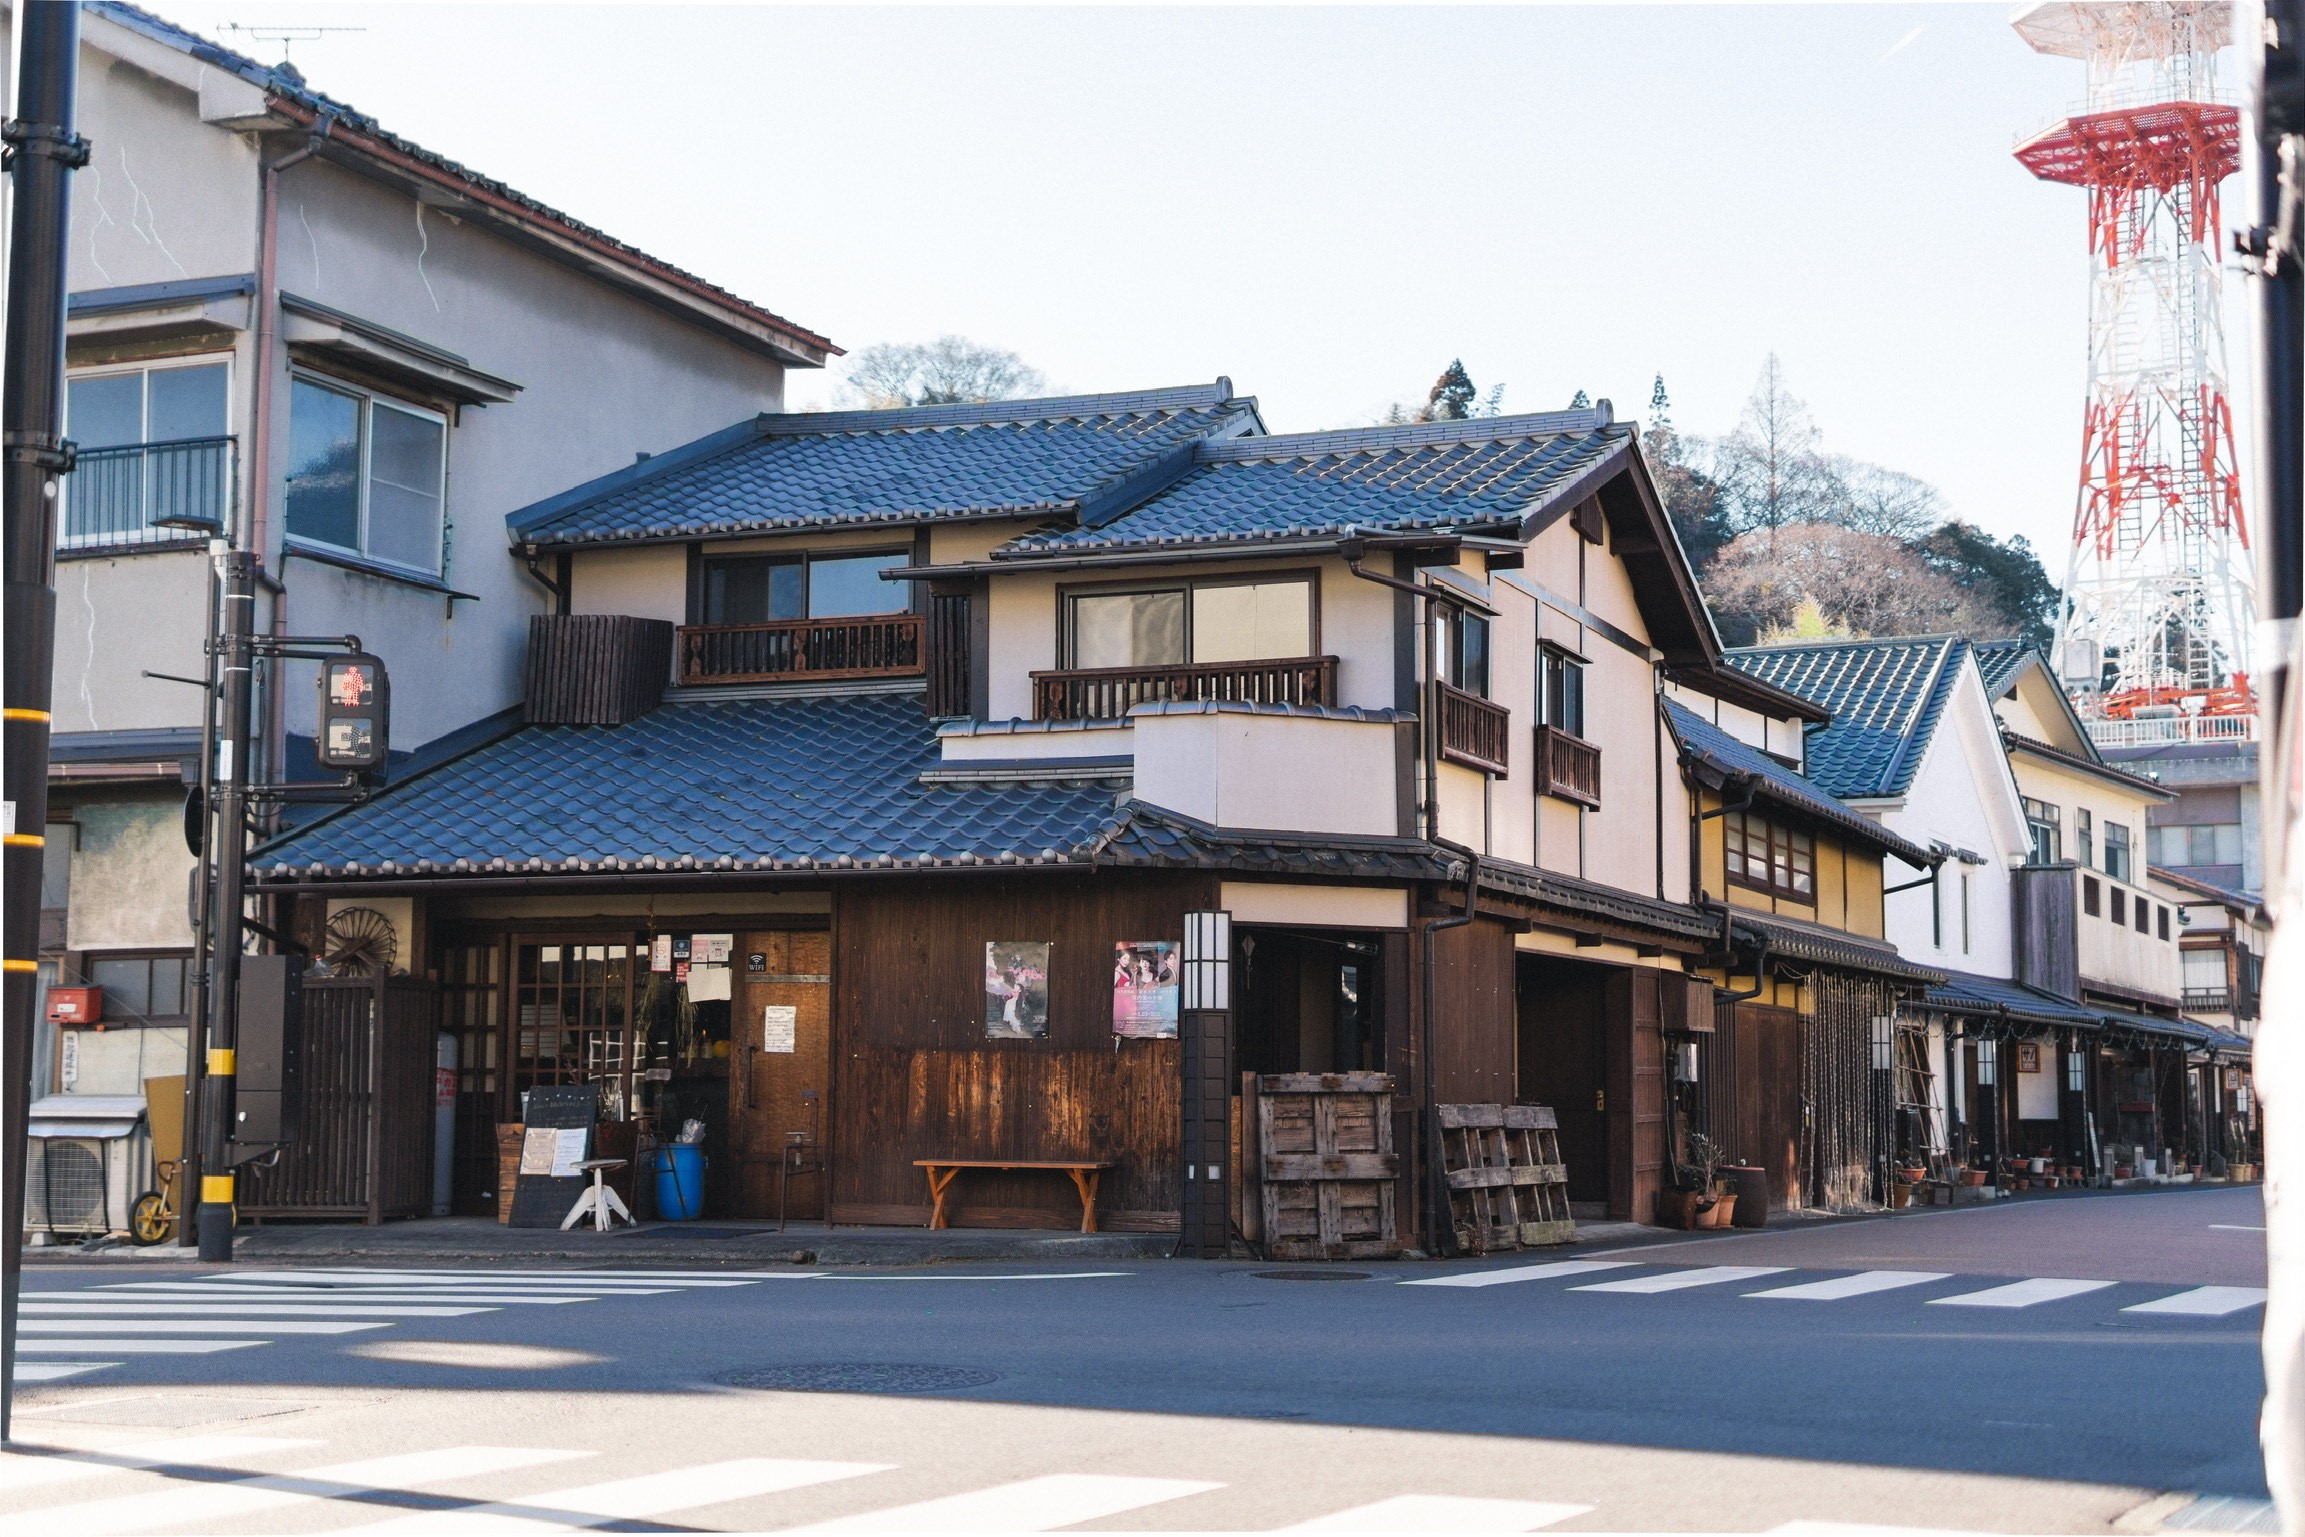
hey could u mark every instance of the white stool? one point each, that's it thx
(604, 1204)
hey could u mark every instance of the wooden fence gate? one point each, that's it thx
(365, 1145)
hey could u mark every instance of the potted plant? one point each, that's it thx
(1697, 1199)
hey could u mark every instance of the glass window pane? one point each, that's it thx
(1135, 629)
(1573, 699)
(1253, 621)
(56, 866)
(187, 403)
(1473, 654)
(851, 584)
(168, 985)
(106, 412)
(404, 465)
(127, 986)
(752, 590)
(2228, 841)
(324, 465)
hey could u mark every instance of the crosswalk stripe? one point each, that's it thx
(2203, 1302)
(1862, 1284)
(511, 1288)
(2020, 1294)
(629, 1499)
(185, 1504)
(1054, 1275)
(32, 1467)
(126, 1347)
(1030, 1505)
(55, 1371)
(1682, 1280)
(575, 1278)
(1443, 1513)
(188, 1291)
(95, 1326)
(114, 1306)
(1566, 1267)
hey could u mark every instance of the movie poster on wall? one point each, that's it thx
(1144, 988)
(1016, 990)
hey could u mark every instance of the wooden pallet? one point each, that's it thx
(1508, 1188)
(1326, 1165)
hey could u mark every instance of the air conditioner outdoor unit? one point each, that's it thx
(88, 1163)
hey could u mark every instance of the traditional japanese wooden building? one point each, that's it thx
(872, 762)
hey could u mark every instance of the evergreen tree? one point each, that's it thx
(1660, 408)
(1452, 395)
(1581, 402)
(2006, 572)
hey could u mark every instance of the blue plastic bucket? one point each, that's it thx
(679, 1181)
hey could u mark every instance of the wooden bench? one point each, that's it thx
(1085, 1172)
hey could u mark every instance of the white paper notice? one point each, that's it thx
(537, 1149)
(568, 1150)
(708, 984)
(714, 948)
(779, 1025)
(660, 953)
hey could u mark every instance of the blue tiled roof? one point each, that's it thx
(806, 784)
(1967, 992)
(1708, 743)
(1439, 474)
(833, 469)
(2001, 660)
(1886, 697)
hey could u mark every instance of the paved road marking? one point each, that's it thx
(193, 1326)
(1681, 1280)
(1063, 1275)
(124, 1347)
(1862, 1284)
(115, 1306)
(31, 1467)
(2204, 1302)
(55, 1371)
(630, 1499)
(2234, 1227)
(570, 1279)
(185, 1504)
(1566, 1267)
(1442, 1513)
(1031, 1505)
(2020, 1294)
(185, 1291)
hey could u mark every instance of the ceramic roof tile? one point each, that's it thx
(1701, 739)
(2000, 661)
(835, 469)
(1886, 697)
(1401, 478)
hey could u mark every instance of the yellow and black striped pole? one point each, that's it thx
(217, 1110)
(44, 151)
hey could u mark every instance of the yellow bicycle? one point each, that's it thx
(153, 1218)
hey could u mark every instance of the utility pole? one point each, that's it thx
(43, 152)
(227, 933)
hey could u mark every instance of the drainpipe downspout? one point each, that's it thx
(259, 530)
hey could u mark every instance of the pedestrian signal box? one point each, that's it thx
(355, 713)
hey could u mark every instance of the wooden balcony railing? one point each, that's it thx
(1108, 693)
(875, 646)
(1569, 767)
(2209, 1000)
(1474, 732)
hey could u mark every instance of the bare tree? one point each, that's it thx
(1769, 468)
(951, 370)
(1875, 500)
(1864, 583)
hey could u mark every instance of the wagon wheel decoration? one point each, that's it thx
(359, 942)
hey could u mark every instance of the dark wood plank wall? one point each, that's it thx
(1474, 1014)
(914, 1076)
(1768, 1094)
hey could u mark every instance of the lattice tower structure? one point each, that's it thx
(2159, 584)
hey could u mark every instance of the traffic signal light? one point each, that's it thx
(355, 713)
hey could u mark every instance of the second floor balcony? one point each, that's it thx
(1109, 693)
(148, 493)
(801, 650)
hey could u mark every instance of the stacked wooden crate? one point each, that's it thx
(1508, 1188)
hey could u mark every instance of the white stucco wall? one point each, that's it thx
(1285, 773)
(131, 876)
(1963, 794)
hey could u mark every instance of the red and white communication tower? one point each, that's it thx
(2160, 585)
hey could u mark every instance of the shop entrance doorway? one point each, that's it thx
(1306, 1002)
(1563, 1061)
(780, 1079)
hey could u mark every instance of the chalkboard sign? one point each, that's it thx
(542, 1198)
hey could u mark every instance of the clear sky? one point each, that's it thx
(1329, 204)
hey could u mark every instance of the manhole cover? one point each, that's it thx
(1310, 1275)
(859, 1377)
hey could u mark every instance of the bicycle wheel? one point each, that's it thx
(149, 1221)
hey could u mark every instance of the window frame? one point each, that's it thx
(1782, 841)
(90, 960)
(368, 396)
(145, 368)
(2041, 817)
(1552, 658)
(1066, 592)
(2085, 838)
(2117, 838)
(701, 587)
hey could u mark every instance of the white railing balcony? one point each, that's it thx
(2173, 730)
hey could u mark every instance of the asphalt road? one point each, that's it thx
(1926, 1394)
